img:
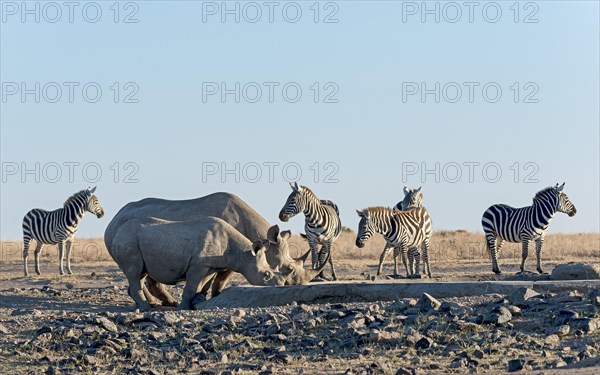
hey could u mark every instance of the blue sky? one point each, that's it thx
(371, 139)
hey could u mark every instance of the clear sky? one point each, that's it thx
(364, 63)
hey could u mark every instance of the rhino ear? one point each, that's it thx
(257, 248)
(273, 234)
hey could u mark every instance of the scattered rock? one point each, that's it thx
(108, 325)
(519, 296)
(424, 343)
(516, 365)
(576, 271)
(587, 325)
(428, 303)
(498, 315)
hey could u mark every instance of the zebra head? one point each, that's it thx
(564, 204)
(93, 204)
(412, 198)
(366, 228)
(295, 203)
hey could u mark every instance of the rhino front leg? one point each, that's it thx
(194, 278)
(135, 291)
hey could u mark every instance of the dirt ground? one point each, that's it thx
(41, 315)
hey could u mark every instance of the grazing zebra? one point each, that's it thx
(322, 222)
(401, 230)
(57, 227)
(505, 223)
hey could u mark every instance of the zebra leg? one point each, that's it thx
(326, 249)
(386, 251)
(494, 244)
(414, 259)
(426, 267)
(36, 254)
(26, 243)
(404, 253)
(61, 256)
(156, 293)
(315, 256)
(69, 245)
(538, 253)
(396, 250)
(524, 254)
(220, 282)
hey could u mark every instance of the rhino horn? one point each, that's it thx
(311, 274)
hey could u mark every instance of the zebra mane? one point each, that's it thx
(309, 192)
(379, 209)
(73, 197)
(541, 193)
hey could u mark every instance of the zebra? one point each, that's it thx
(57, 227)
(401, 230)
(322, 222)
(412, 198)
(505, 223)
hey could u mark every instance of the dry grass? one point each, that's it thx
(446, 246)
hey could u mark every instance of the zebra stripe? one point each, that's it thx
(504, 223)
(322, 222)
(57, 227)
(401, 230)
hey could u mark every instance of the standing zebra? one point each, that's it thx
(505, 223)
(401, 230)
(57, 227)
(412, 198)
(322, 222)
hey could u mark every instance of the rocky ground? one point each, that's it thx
(71, 329)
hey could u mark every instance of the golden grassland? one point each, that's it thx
(446, 246)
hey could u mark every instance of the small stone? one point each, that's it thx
(403, 371)
(44, 329)
(516, 365)
(3, 329)
(224, 358)
(459, 362)
(107, 324)
(428, 303)
(519, 296)
(498, 315)
(478, 354)
(515, 310)
(552, 340)
(424, 343)
(587, 325)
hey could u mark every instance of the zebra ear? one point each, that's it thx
(561, 187)
(406, 190)
(419, 189)
(363, 213)
(295, 186)
(92, 190)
